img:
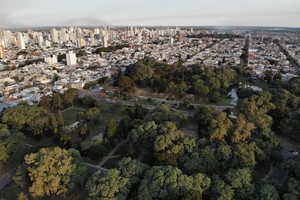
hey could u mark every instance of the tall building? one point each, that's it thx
(54, 36)
(139, 38)
(80, 43)
(63, 35)
(47, 43)
(51, 59)
(171, 40)
(105, 40)
(21, 41)
(71, 58)
(41, 40)
(2, 51)
(2, 42)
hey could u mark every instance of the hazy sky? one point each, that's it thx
(31, 13)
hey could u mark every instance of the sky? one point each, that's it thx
(37, 13)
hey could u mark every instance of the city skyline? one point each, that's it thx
(34, 13)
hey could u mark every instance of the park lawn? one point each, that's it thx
(225, 101)
(148, 92)
(112, 111)
(112, 163)
(70, 115)
(108, 111)
(10, 192)
(260, 172)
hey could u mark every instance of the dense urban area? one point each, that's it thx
(150, 113)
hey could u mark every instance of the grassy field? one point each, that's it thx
(108, 112)
(10, 192)
(70, 115)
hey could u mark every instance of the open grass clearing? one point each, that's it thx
(70, 115)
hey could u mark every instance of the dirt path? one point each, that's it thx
(111, 153)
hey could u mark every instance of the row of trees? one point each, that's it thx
(59, 101)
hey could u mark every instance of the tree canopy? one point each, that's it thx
(51, 172)
(30, 119)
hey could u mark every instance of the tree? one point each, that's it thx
(170, 143)
(116, 183)
(84, 131)
(60, 119)
(171, 87)
(91, 113)
(203, 161)
(255, 110)
(111, 129)
(212, 123)
(268, 192)
(244, 155)
(137, 112)
(293, 166)
(69, 96)
(213, 82)
(292, 191)
(294, 86)
(130, 167)
(45, 102)
(22, 196)
(54, 124)
(30, 119)
(126, 83)
(166, 182)
(242, 130)
(12, 145)
(141, 72)
(64, 140)
(145, 134)
(239, 178)
(108, 185)
(181, 89)
(221, 190)
(165, 113)
(200, 88)
(52, 172)
(57, 101)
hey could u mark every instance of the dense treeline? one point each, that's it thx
(177, 81)
(215, 35)
(110, 48)
(30, 119)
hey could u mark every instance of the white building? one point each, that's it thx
(41, 40)
(71, 58)
(54, 35)
(139, 38)
(1, 51)
(105, 41)
(51, 59)
(80, 43)
(21, 41)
